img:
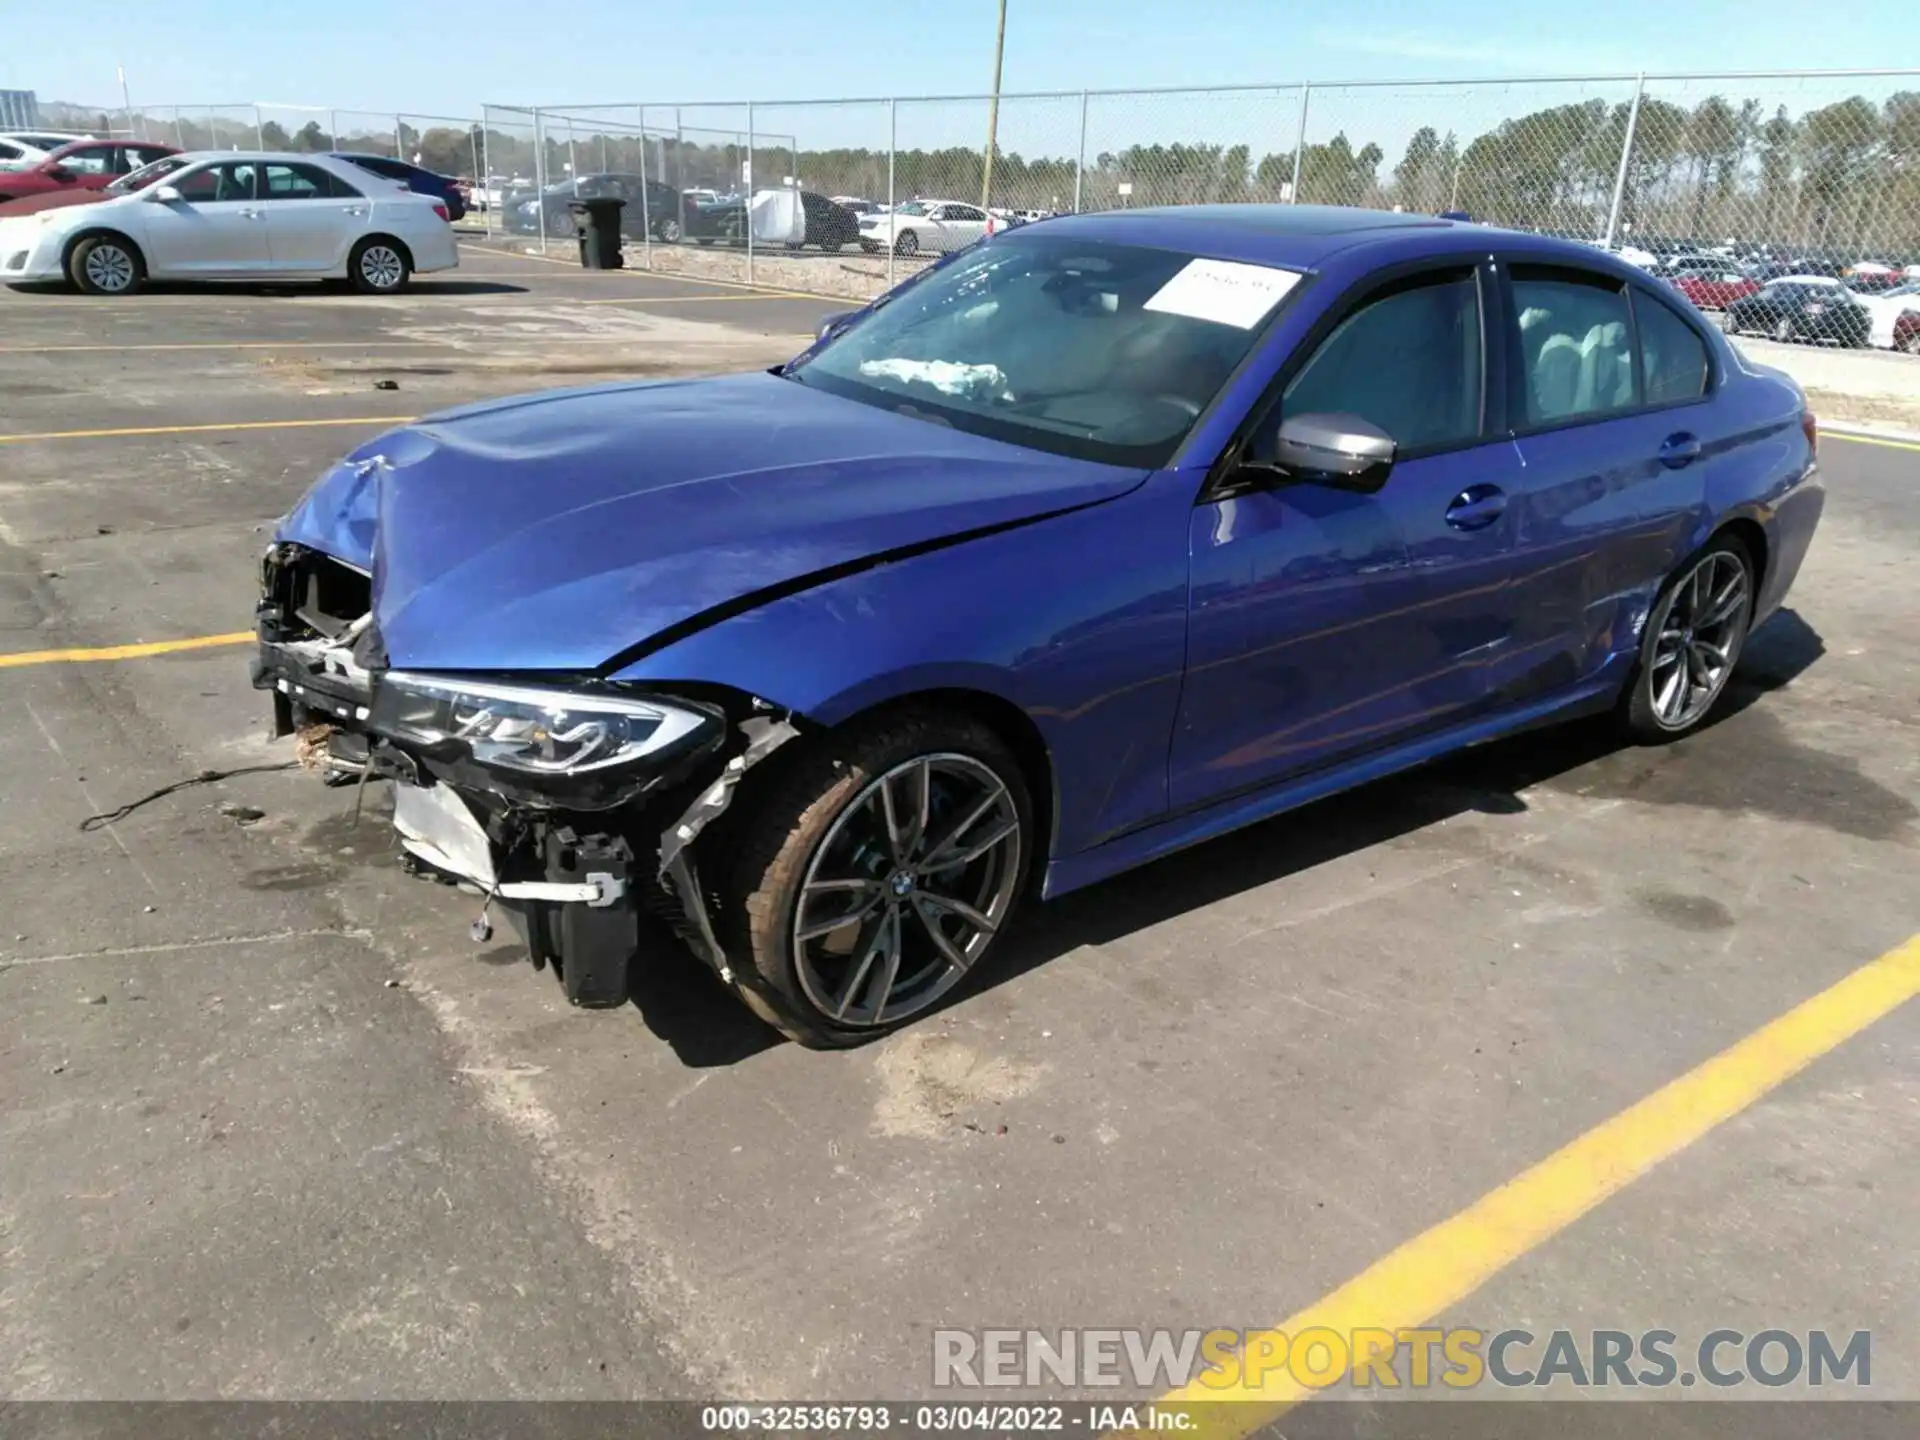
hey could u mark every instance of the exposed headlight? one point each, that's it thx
(529, 729)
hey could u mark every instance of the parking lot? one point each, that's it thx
(276, 1127)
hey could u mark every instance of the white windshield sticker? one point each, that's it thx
(1224, 292)
(947, 376)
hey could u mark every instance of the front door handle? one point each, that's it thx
(1476, 507)
(1679, 450)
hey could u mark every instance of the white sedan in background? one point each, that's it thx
(224, 215)
(23, 149)
(1885, 309)
(927, 226)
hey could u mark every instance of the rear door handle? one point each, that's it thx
(1476, 507)
(1678, 450)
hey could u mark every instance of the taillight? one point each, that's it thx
(441, 211)
(1811, 427)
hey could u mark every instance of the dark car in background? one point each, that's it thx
(659, 211)
(416, 178)
(830, 225)
(1802, 307)
(83, 165)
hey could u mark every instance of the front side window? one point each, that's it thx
(1576, 348)
(216, 184)
(148, 174)
(87, 162)
(1673, 359)
(1408, 361)
(1104, 352)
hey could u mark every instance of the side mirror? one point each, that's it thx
(58, 172)
(1332, 449)
(165, 194)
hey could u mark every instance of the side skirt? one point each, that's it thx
(1124, 852)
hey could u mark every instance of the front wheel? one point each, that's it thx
(105, 265)
(378, 266)
(1693, 640)
(670, 233)
(878, 875)
(1783, 331)
(907, 244)
(1912, 343)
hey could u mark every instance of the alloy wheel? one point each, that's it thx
(906, 890)
(1701, 626)
(381, 267)
(109, 269)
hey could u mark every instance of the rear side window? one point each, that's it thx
(387, 168)
(1575, 346)
(1673, 359)
(1408, 361)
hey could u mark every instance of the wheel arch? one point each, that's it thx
(1750, 533)
(388, 237)
(1006, 718)
(103, 232)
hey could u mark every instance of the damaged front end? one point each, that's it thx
(567, 801)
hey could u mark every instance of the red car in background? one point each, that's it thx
(1714, 290)
(83, 165)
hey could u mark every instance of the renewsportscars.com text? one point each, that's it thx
(1388, 1359)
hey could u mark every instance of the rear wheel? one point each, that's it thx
(670, 232)
(105, 265)
(878, 875)
(1693, 639)
(1783, 330)
(1912, 343)
(378, 266)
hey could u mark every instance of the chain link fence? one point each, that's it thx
(1808, 171)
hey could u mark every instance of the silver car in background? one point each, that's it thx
(234, 215)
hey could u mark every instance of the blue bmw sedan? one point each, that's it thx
(1106, 536)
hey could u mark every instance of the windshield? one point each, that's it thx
(1103, 352)
(146, 175)
(911, 207)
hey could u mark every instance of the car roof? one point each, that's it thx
(1304, 236)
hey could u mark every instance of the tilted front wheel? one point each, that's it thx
(878, 875)
(1692, 642)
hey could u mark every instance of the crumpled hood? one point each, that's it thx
(554, 532)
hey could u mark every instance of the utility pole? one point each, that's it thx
(126, 101)
(993, 108)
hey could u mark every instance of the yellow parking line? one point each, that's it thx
(123, 652)
(202, 429)
(1860, 439)
(1436, 1270)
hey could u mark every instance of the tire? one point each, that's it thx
(1912, 343)
(906, 244)
(1728, 323)
(379, 266)
(106, 265)
(1783, 331)
(1712, 580)
(821, 832)
(670, 233)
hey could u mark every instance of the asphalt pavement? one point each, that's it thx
(274, 1127)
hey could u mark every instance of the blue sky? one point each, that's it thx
(446, 58)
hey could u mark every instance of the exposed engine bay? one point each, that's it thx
(567, 803)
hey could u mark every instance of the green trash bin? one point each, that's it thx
(597, 223)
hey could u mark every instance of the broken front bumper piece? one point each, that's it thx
(567, 801)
